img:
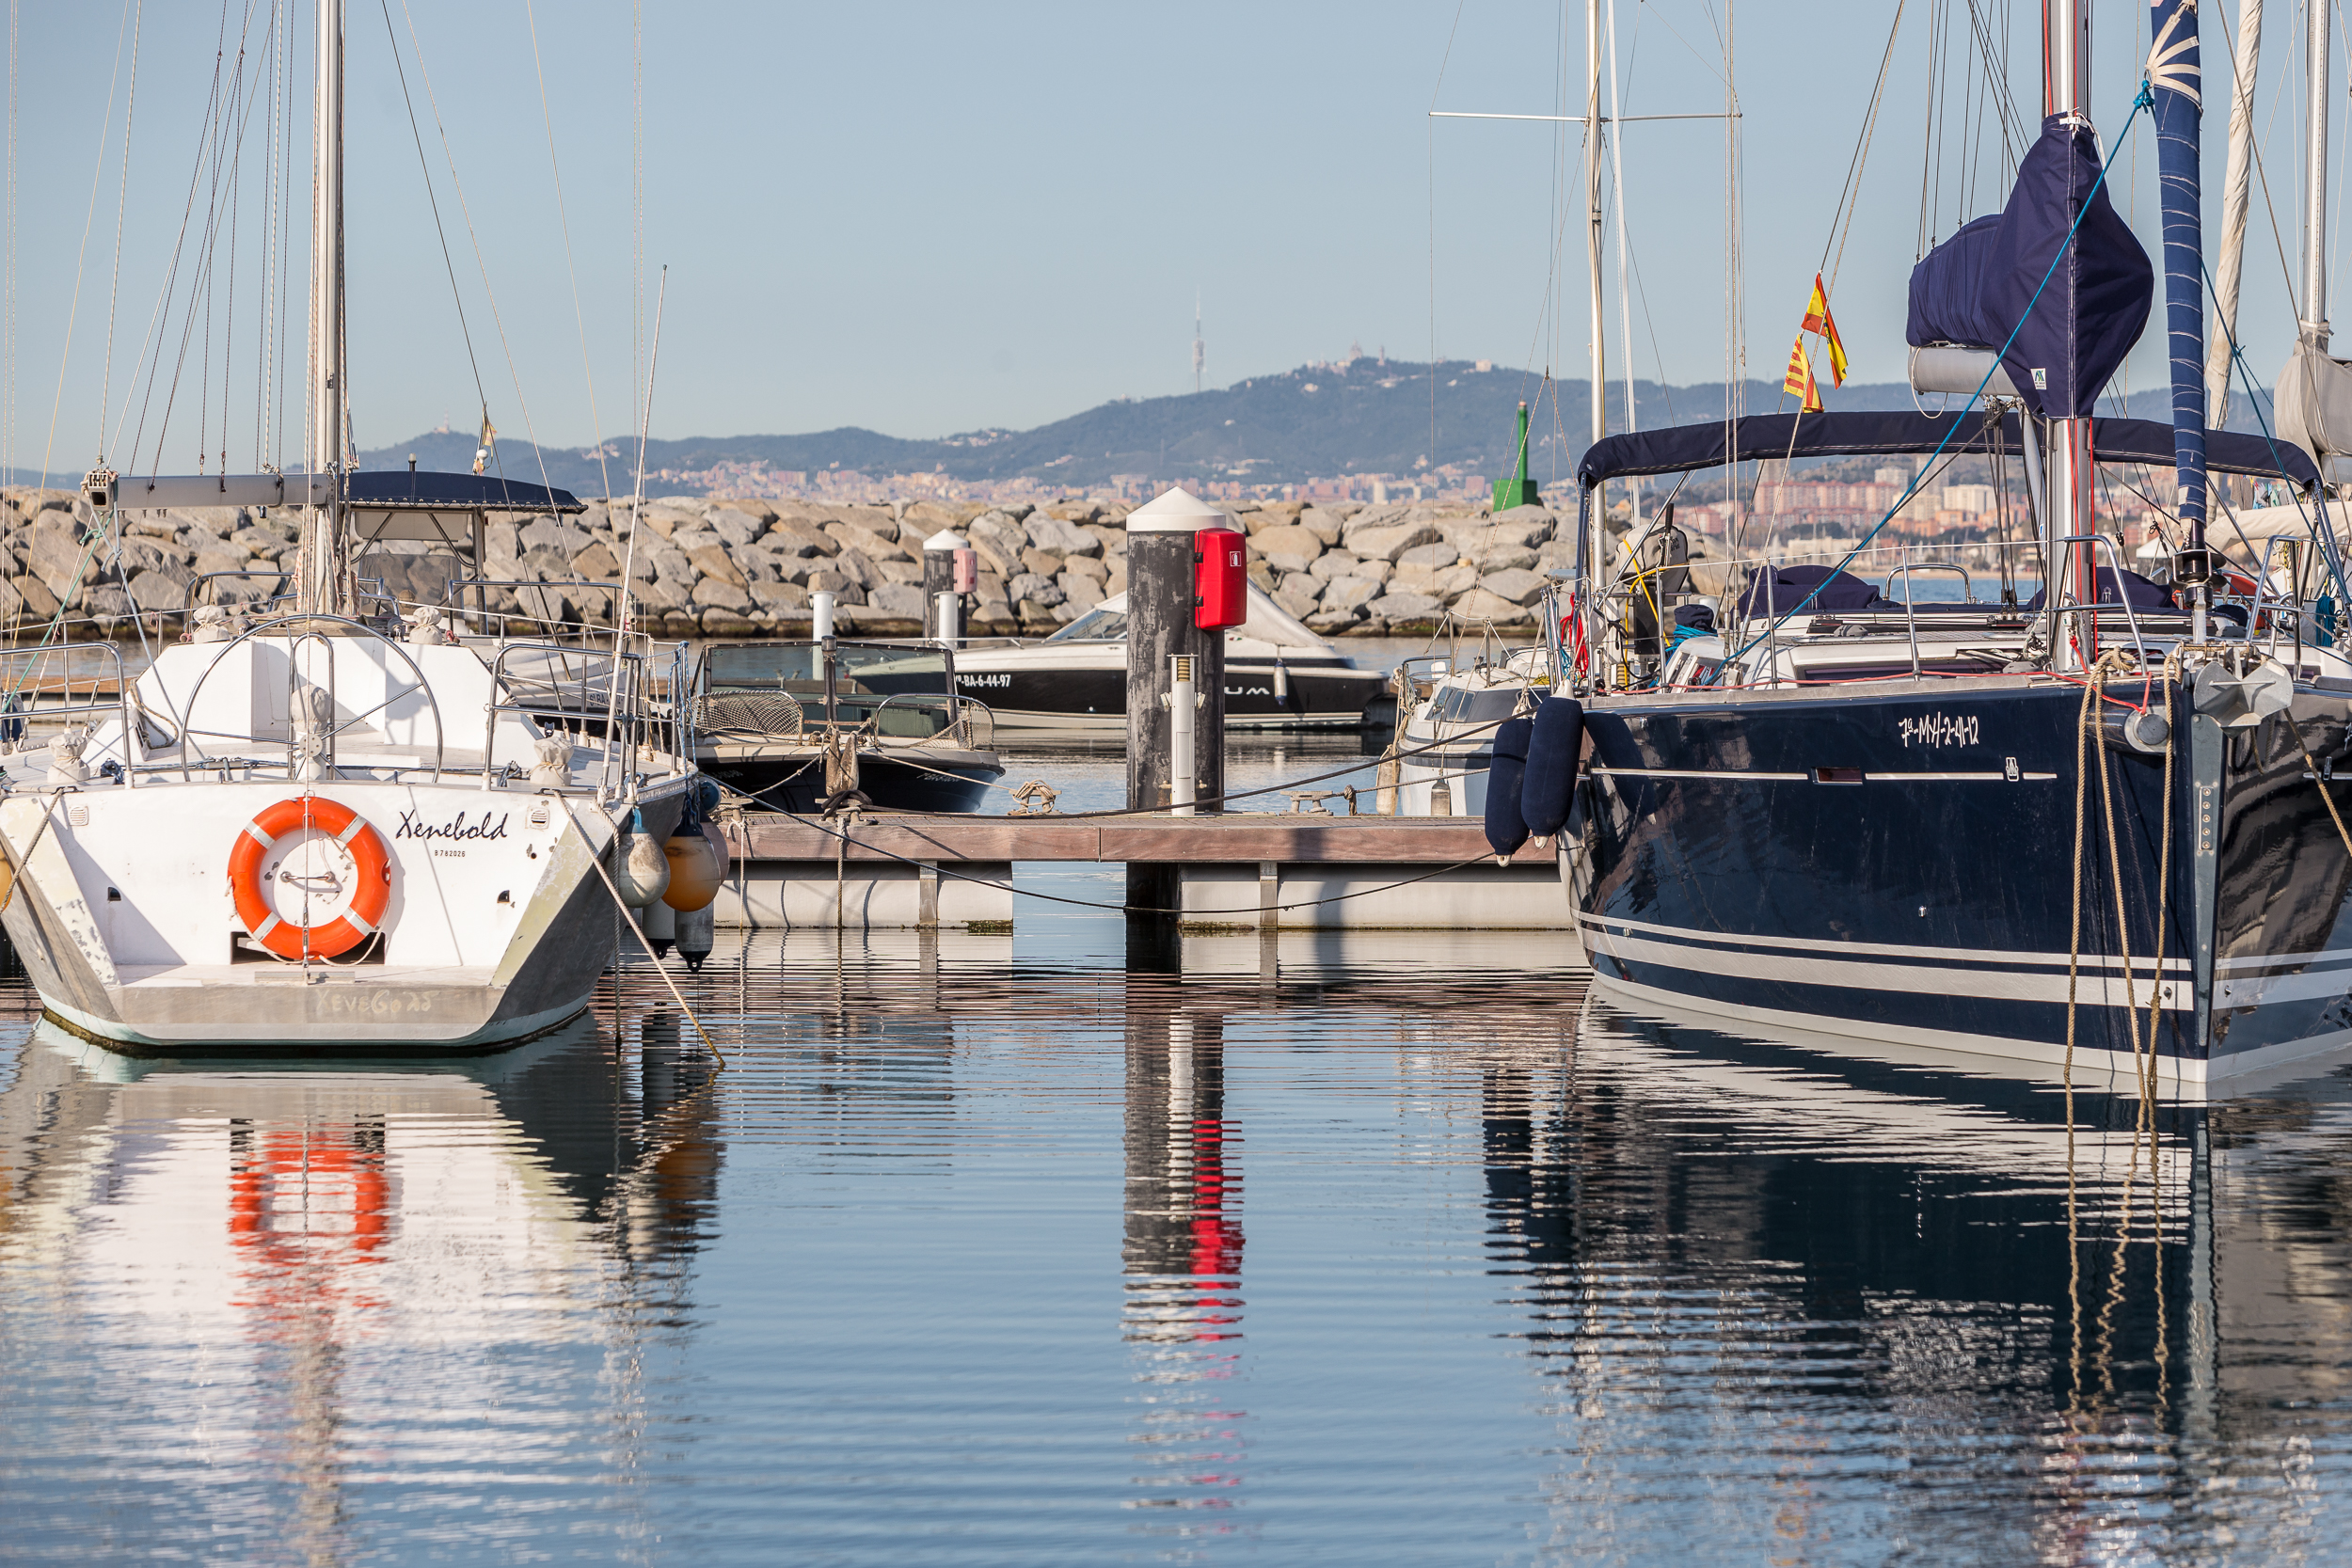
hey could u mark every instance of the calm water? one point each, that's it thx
(983, 1250)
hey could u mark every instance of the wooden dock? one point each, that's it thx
(1288, 870)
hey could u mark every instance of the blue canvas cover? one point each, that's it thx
(1787, 588)
(1891, 433)
(2097, 299)
(1945, 288)
(2138, 591)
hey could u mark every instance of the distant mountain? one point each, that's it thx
(1364, 418)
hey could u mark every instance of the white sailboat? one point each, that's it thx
(330, 832)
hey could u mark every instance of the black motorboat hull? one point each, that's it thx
(795, 781)
(1902, 868)
(1323, 696)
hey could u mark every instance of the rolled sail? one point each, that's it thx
(2066, 327)
(2173, 73)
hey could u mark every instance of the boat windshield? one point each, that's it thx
(1095, 626)
(1462, 704)
(902, 692)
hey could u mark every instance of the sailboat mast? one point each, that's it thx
(2315, 46)
(2066, 90)
(317, 586)
(1592, 215)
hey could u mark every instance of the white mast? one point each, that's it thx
(317, 586)
(2066, 90)
(2315, 322)
(1593, 123)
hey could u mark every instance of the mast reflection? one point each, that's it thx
(1183, 1255)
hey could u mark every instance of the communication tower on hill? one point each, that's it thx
(1199, 349)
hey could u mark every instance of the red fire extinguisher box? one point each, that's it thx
(1220, 578)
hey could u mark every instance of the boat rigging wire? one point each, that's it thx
(1430, 123)
(2141, 101)
(587, 371)
(434, 202)
(106, 130)
(466, 211)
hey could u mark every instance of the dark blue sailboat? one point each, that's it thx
(2091, 830)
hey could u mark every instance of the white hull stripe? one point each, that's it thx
(1993, 776)
(1914, 980)
(2284, 961)
(1603, 926)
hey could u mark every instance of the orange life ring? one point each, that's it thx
(368, 899)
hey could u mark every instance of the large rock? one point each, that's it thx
(1027, 588)
(779, 598)
(1504, 557)
(1078, 590)
(1328, 621)
(1296, 602)
(831, 580)
(898, 571)
(269, 546)
(1045, 563)
(714, 564)
(792, 536)
(998, 541)
(1334, 564)
(1297, 543)
(1438, 554)
(735, 525)
(56, 557)
(900, 600)
(595, 563)
(160, 591)
(1349, 593)
(868, 542)
(1406, 607)
(1064, 538)
(1516, 586)
(1086, 567)
(1474, 537)
(1325, 525)
(1480, 605)
(555, 534)
(39, 602)
(1386, 544)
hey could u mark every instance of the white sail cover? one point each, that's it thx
(2314, 408)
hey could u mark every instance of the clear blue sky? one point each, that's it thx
(926, 219)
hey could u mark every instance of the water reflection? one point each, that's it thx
(1183, 1255)
(1529, 1285)
(240, 1246)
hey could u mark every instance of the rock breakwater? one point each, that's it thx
(745, 567)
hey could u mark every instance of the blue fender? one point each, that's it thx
(1505, 829)
(1549, 782)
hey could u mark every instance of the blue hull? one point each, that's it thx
(1901, 868)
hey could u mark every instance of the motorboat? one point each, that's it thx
(799, 725)
(1279, 675)
(1448, 706)
(345, 828)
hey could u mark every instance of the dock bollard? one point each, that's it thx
(942, 553)
(821, 614)
(1162, 580)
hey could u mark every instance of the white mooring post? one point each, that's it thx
(1183, 701)
(948, 619)
(820, 613)
(940, 587)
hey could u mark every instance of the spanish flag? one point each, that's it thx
(1799, 380)
(1817, 319)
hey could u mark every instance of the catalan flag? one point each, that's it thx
(1817, 319)
(1798, 381)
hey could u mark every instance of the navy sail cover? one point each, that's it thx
(405, 490)
(1892, 433)
(1979, 287)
